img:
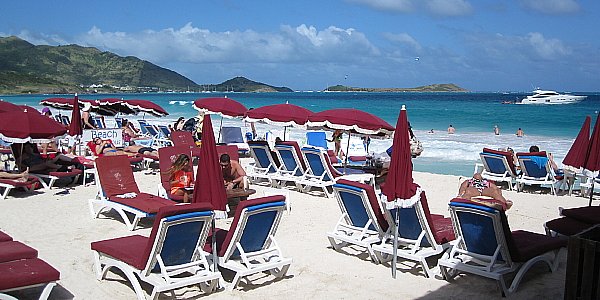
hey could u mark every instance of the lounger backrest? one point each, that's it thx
(297, 149)
(142, 123)
(289, 159)
(119, 122)
(164, 130)
(92, 146)
(231, 135)
(167, 156)
(177, 233)
(495, 163)
(115, 175)
(350, 193)
(150, 129)
(534, 166)
(317, 139)
(261, 153)
(508, 155)
(183, 138)
(482, 229)
(254, 221)
(232, 150)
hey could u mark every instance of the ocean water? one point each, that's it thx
(553, 127)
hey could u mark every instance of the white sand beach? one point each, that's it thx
(61, 229)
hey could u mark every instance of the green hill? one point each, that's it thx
(447, 87)
(243, 85)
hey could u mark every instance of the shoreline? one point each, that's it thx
(61, 229)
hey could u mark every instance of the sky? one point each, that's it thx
(479, 45)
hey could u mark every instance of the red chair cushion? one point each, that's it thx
(586, 214)
(30, 180)
(13, 250)
(22, 273)
(129, 249)
(145, 202)
(531, 244)
(5, 237)
(567, 226)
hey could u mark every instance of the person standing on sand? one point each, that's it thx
(520, 133)
(450, 129)
(496, 130)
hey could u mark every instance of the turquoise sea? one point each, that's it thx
(553, 127)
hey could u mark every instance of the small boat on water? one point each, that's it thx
(550, 97)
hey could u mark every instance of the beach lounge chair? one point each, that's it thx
(13, 250)
(27, 273)
(5, 237)
(99, 122)
(65, 120)
(165, 131)
(157, 138)
(231, 150)
(47, 179)
(118, 122)
(321, 174)
(185, 139)
(537, 170)
(167, 156)
(573, 220)
(264, 166)
(137, 160)
(498, 166)
(169, 259)
(485, 245)
(249, 246)
(8, 185)
(118, 190)
(362, 223)
(233, 136)
(142, 128)
(317, 139)
(292, 166)
(421, 235)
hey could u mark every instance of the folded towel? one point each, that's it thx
(127, 195)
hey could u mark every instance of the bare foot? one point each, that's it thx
(509, 204)
(25, 175)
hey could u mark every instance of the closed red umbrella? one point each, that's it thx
(28, 126)
(76, 127)
(592, 160)
(280, 115)
(400, 189)
(209, 185)
(576, 155)
(224, 107)
(146, 106)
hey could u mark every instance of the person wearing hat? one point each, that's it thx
(46, 112)
(86, 118)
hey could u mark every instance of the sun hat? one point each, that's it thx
(45, 110)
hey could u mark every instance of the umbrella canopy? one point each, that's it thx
(7, 106)
(399, 185)
(209, 178)
(117, 105)
(146, 106)
(76, 127)
(28, 126)
(224, 107)
(67, 104)
(353, 120)
(280, 115)
(592, 160)
(576, 155)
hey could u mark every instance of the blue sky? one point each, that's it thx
(480, 45)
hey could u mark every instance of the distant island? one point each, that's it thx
(29, 69)
(446, 87)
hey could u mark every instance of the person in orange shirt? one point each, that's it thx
(180, 177)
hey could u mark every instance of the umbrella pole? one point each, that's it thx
(220, 127)
(346, 156)
(395, 250)
(214, 245)
(592, 191)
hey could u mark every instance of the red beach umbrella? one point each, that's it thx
(592, 160)
(577, 154)
(280, 115)
(146, 106)
(224, 107)
(353, 120)
(67, 104)
(7, 106)
(75, 128)
(117, 105)
(209, 178)
(28, 126)
(400, 188)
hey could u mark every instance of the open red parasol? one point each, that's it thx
(224, 107)
(577, 154)
(209, 185)
(146, 106)
(280, 115)
(67, 104)
(117, 105)
(352, 120)
(28, 126)
(7, 106)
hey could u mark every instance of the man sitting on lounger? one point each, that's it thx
(477, 186)
(233, 173)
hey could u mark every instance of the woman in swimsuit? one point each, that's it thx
(180, 177)
(477, 186)
(106, 148)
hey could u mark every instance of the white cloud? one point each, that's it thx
(195, 45)
(436, 8)
(551, 7)
(402, 39)
(37, 38)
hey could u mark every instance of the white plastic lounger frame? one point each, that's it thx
(290, 169)
(264, 166)
(492, 162)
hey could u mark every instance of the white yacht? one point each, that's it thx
(550, 97)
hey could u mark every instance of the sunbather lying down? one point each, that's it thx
(19, 177)
(107, 148)
(477, 186)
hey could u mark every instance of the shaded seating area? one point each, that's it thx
(421, 235)
(486, 246)
(249, 246)
(170, 258)
(21, 269)
(118, 190)
(362, 222)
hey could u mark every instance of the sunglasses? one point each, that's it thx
(224, 165)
